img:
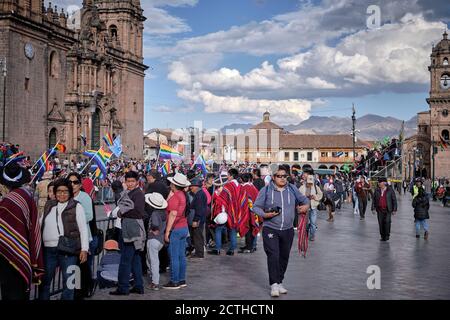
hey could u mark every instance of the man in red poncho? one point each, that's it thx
(233, 200)
(21, 256)
(253, 221)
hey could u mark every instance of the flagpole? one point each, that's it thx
(43, 164)
(157, 159)
(92, 158)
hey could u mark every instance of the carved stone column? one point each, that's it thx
(75, 131)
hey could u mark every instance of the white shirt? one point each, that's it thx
(50, 234)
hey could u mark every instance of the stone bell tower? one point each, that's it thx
(439, 102)
(124, 21)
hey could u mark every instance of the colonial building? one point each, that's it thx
(267, 142)
(62, 83)
(416, 158)
(434, 124)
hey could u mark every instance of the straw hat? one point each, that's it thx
(179, 180)
(156, 200)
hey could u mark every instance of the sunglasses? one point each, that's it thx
(281, 176)
(75, 182)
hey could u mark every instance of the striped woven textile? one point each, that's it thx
(302, 235)
(20, 234)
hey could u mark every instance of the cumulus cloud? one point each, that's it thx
(166, 109)
(285, 111)
(368, 61)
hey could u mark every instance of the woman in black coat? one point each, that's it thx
(421, 206)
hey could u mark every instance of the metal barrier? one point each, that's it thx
(57, 284)
(104, 195)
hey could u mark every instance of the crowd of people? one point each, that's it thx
(166, 221)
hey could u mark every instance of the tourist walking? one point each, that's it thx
(362, 187)
(421, 205)
(277, 204)
(315, 195)
(385, 204)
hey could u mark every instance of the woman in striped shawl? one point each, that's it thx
(21, 259)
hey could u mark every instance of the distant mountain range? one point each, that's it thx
(372, 127)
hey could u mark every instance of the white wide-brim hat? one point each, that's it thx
(156, 200)
(179, 180)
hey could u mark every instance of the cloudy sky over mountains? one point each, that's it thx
(226, 61)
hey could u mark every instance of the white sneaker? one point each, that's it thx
(282, 289)
(274, 291)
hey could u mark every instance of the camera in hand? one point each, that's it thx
(274, 209)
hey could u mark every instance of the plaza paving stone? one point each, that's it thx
(335, 266)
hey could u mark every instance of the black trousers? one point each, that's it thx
(164, 260)
(198, 240)
(249, 238)
(362, 203)
(384, 222)
(277, 245)
(143, 253)
(12, 286)
(209, 233)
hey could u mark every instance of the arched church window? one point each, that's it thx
(96, 130)
(445, 135)
(445, 63)
(54, 65)
(113, 32)
(52, 138)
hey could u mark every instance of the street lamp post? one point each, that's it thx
(4, 74)
(432, 180)
(414, 162)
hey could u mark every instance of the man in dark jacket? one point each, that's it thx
(156, 185)
(385, 203)
(258, 182)
(130, 259)
(421, 206)
(198, 207)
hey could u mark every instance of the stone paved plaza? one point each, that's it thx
(336, 264)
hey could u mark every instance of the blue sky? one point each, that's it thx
(228, 61)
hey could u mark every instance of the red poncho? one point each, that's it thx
(254, 220)
(20, 235)
(234, 199)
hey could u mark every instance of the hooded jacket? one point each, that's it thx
(287, 199)
(421, 206)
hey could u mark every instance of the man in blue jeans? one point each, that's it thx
(130, 260)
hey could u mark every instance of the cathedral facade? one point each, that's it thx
(64, 82)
